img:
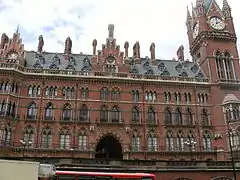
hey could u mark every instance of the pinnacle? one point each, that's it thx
(225, 5)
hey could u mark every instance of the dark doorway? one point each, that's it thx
(109, 148)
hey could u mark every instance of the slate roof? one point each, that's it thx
(81, 62)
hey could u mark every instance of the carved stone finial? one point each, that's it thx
(111, 31)
(152, 51)
(40, 44)
(126, 46)
(180, 53)
(136, 50)
(4, 40)
(94, 44)
(68, 46)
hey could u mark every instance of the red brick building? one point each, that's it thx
(109, 105)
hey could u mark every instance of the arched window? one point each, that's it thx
(84, 114)
(29, 136)
(64, 139)
(168, 116)
(46, 138)
(115, 115)
(104, 94)
(32, 111)
(178, 117)
(151, 116)
(115, 94)
(207, 142)
(135, 115)
(180, 141)
(82, 141)
(49, 112)
(152, 142)
(103, 114)
(135, 143)
(67, 112)
(169, 141)
(188, 117)
(204, 118)
(135, 95)
(5, 135)
(225, 65)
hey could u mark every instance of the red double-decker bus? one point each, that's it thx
(75, 175)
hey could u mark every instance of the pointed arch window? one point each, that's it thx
(84, 92)
(235, 112)
(187, 97)
(67, 112)
(84, 114)
(82, 142)
(177, 97)
(49, 112)
(115, 94)
(46, 138)
(169, 142)
(3, 105)
(135, 95)
(29, 136)
(191, 142)
(115, 115)
(235, 139)
(9, 105)
(150, 96)
(188, 117)
(32, 111)
(64, 140)
(152, 142)
(167, 96)
(151, 115)
(135, 143)
(67, 92)
(6, 135)
(104, 94)
(225, 66)
(204, 118)
(135, 115)
(168, 116)
(103, 114)
(207, 142)
(178, 117)
(180, 141)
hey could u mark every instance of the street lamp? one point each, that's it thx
(24, 144)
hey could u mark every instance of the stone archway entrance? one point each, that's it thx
(109, 148)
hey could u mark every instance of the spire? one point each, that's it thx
(199, 2)
(111, 31)
(226, 5)
(17, 30)
(188, 15)
(226, 9)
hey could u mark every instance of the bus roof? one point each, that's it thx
(104, 173)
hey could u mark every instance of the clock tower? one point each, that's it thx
(212, 40)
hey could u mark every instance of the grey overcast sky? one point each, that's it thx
(162, 22)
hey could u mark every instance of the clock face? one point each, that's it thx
(217, 23)
(195, 30)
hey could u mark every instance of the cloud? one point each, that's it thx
(162, 22)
